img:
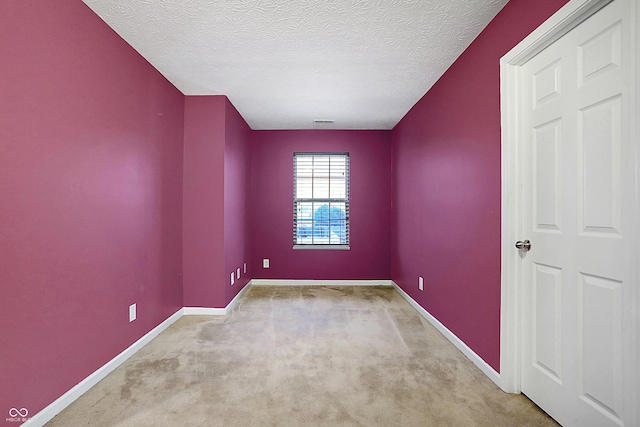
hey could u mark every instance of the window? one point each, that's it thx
(321, 200)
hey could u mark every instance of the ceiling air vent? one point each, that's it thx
(322, 121)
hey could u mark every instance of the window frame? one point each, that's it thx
(328, 200)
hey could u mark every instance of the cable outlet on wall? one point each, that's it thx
(265, 263)
(132, 313)
(420, 283)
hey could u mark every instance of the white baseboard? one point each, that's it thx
(203, 311)
(287, 282)
(44, 416)
(206, 311)
(460, 345)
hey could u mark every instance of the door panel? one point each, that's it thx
(547, 83)
(548, 333)
(548, 188)
(600, 54)
(600, 167)
(600, 329)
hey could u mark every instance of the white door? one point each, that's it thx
(579, 186)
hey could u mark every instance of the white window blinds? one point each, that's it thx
(320, 199)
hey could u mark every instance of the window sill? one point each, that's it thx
(323, 247)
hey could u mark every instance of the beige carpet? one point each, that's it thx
(302, 356)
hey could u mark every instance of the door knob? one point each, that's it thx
(525, 246)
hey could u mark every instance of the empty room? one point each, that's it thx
(319, 213)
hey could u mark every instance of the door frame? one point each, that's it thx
(563, 21)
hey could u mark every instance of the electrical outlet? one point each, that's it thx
(245, 268)
(132, 313)
(420, 283)
(233, 277)
(265, 263)
(238, 273)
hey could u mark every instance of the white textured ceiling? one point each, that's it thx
(362, 63)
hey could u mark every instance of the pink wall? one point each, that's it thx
(203, 227)
(237, 174)
(272, 206)
(91, 195)
(216, 190)
(446, 163)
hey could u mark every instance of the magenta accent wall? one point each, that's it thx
(91, 198)
(271, 206)
(237, 188)
(203, 215)
(216, 190)
(446, 185)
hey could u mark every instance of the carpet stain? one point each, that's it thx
(136, 374)
(208, 332)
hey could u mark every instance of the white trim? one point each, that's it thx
(457, 342)
(633, 333)
(322, 247)
(564, 20)
(47, 414)
(510, 318)
(236, 299)
(204, 311)
(634, 330)
(288, 282)
(212, 311)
